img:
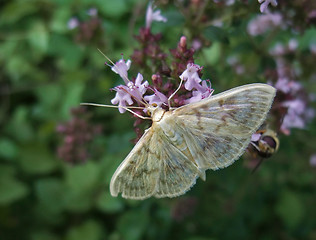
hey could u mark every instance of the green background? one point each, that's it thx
(47, 69)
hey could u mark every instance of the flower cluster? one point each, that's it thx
(165, 80)
(88, 30)
(136, 91)
(262, 23)
(77, 134)
(291, 100)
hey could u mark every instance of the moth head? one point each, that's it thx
(155, 112)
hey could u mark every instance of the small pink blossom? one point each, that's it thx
(312, 160)
(92, 12)
(293, 44)
(191, 76)
(287, 86)
(122, 97)
(152, 15)
(265, 3)
(73, 23)
(156, 98)
(203, 91)
(255, 137)
(121, 67)
(124, 94)
(263, 23)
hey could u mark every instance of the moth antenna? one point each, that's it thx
(174, 93)
(113, 64)
(106, 57)
(112, 106)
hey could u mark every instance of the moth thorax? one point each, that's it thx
(157, 113)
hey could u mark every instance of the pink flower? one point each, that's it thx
(255, 137)
(152, 15)
(203, 91)
(191, 76)
(121, 67)
(124, 94)
(92, 12)
(122, 97)
(312, 160)
(73, 23)
(287, 86)
(156, 98)
(263, 23)
(265, 3)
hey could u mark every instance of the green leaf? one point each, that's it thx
(82, 182)
(11, 190)
(133, 224)
(60, 19)
(216, 34)
(34, 158)
(16, 10)
(290, 209)
(72, 98)
(38, 37)
(90, 229)
(114, 9)
(82, 178)
(44, 235)
(307, 39)
(19, 125)
(8, 149)
(212, 54)
(108, 204)
(50, 193)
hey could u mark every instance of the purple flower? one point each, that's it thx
(191, 76)
(265, 3)
(203, 91)
(312, 160)
(255, 137)
(122, 97)
(287, 86)
(263, 23)
(92, 12)
(152, 15)
(121, 67)
(73, 23)
(297, 115)
(156, 98)
(124, 94)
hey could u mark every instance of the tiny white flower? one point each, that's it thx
(121, 67)
(265, 3)
(152, 15)
(73, 23)
(191, 76)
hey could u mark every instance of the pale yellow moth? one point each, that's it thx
(184, 142)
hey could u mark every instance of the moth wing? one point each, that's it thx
(154, 168)
(136, 176)
(218, 129)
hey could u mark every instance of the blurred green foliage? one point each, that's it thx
(47, 68)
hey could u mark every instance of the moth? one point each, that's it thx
(184, 142)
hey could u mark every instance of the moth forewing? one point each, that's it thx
(131, 174)
(218, 129)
